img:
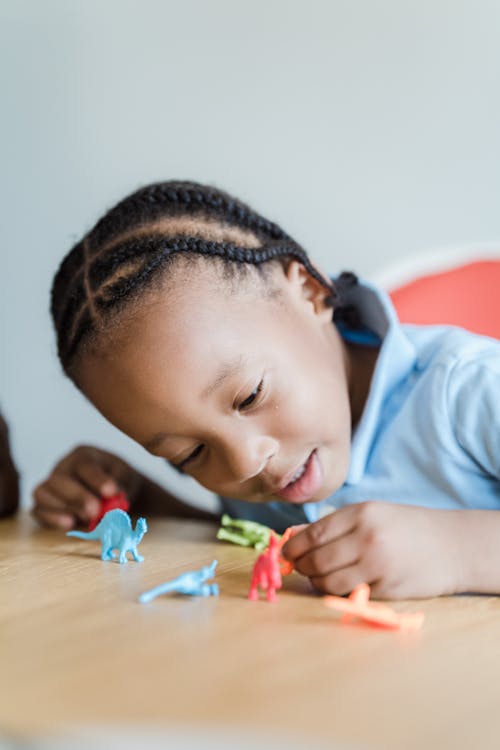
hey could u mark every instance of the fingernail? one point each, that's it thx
(108, 488)
(92, 508)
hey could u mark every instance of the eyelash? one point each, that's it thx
(251, 398)
(180, 466)
(243, 406)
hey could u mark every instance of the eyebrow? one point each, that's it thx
(227, 370)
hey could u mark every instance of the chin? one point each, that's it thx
(328, 488)
(324, 493)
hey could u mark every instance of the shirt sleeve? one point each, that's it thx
(474, 407)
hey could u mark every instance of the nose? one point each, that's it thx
(246, 455)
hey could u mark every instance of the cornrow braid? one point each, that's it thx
(125, 254)
(177, 198)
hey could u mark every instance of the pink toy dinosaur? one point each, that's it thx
(266, 572)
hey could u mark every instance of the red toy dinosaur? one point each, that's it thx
(266, 572)
(110, 503)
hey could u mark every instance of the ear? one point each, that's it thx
(309, 290)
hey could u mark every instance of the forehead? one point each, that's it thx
(178, 337)
(204, 302)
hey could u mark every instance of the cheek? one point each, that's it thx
(325, 385)
(108, 389)
(312, 402)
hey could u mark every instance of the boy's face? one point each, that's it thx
(245, 390)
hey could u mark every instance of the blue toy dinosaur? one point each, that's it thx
(191, 583)
(115, 532)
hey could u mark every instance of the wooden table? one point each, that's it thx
(77, 648)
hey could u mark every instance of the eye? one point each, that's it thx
(251, 398)
(180, 466)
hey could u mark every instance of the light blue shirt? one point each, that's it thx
(429, 434)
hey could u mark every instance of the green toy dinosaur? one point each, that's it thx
(246, 533)
(115, 532)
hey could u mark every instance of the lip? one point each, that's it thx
(306, 486)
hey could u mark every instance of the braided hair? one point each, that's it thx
(129, 249)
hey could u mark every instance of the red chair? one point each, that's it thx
(465, 295)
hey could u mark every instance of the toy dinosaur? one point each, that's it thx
(359, 606)
(286, 566)
(266, 572)
(191, 583)
(115, 532)
(246, 533)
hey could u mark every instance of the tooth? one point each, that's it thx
(298, 474)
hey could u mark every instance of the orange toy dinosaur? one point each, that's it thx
(285, 565)
(358, 605)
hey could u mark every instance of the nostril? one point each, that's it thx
(248, 458)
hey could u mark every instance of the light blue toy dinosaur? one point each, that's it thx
(191, 583)
(115, 532)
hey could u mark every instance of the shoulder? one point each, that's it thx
(458, 374)
(463, 373)
(458, 394)
(453, 351)
(473, 387)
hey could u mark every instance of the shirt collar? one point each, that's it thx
(396, 359)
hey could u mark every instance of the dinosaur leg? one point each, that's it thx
(201, 590)
(253, 593)
(208, 589)
(122, 558)
(271, 594)
(106, 552)
(264, 582)
(137, 557)
(106, 547)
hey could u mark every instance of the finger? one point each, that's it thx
(99, 481)
(321, 532)
(379, 591)
(75, 496)
(47, 500)
(340, 582)
(341, 553)
(53, 519)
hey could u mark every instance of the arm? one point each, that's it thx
(473, 400)
(478, 537)
(410, 551)
(153, 500)
(9, 478)
(402, 551)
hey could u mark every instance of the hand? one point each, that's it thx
(402, 551)
(70, 495)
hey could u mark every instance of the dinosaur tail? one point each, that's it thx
(83, 534)
(163, 588)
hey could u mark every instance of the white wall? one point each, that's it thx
(369, 129)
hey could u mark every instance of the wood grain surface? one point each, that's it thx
(77, 648)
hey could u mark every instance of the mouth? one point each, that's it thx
(304, 483)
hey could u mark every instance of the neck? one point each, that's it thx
(361, 361)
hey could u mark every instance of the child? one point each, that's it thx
(204, 332)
